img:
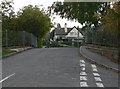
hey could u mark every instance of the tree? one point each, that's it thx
(112, 21)
(84, 12)
(7, 14)
(32, 20)
(112, 18)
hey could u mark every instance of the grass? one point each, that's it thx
(6, 52)
(0, 53)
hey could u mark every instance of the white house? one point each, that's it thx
(73, 34)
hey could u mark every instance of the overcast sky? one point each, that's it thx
(18, 4)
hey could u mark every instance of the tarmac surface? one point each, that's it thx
(54, 67)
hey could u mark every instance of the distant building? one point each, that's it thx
(67, 33)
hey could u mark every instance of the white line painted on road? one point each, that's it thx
(83, 68)
(83, 84)
(7, 77)
(95, 70)
(96, 74)
(99, 85)
(83, 78)
(82, 64)
(98, 79)
(83, 73)
(93, 66)
(82, 61)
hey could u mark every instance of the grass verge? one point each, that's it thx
(7, 52)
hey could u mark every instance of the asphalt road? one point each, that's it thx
(54, 67)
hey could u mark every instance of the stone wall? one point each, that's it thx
(111, 53)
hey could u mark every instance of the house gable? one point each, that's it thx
(74, 33)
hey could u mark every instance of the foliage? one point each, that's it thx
(7, 14)
(6, 52)
(83, 12)
(32, 20)
(29, 18)
(112, 19)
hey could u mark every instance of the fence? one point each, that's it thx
(18, 39)
(102, 38)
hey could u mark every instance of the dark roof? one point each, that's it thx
(61, 31)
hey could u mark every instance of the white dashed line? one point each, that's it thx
(7, 77)
(95, 70)
(83, 73)
(83, 78)
(93, 66)
(83, 84)
(96, 74)
(82, 64)
(82, 61)
(97, 79)
(83, 68)
(99, 85)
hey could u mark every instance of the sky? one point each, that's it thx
(18, 4)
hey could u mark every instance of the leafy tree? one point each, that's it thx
(29, 18)
(112, 21)
(112, 18)
(32, 20)
(84, 12)
(7, 14)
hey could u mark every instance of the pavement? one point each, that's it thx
(98, 59)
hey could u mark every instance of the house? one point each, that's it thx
(73, 34)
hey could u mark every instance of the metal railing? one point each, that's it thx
(18, 39)
(102, 38)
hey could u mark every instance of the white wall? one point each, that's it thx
(74, 33)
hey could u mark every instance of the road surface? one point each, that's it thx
(54, 67)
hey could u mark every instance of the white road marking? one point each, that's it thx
(82, 64)
(83, 68)
(98, 79)
(82, 61)
(83, 73)
(83, 84)
(99, 85)
(95, 70)
(83, 78)
(7, 77)
(96, 74)
(93, 66)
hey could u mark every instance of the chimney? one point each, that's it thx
(65, 28)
